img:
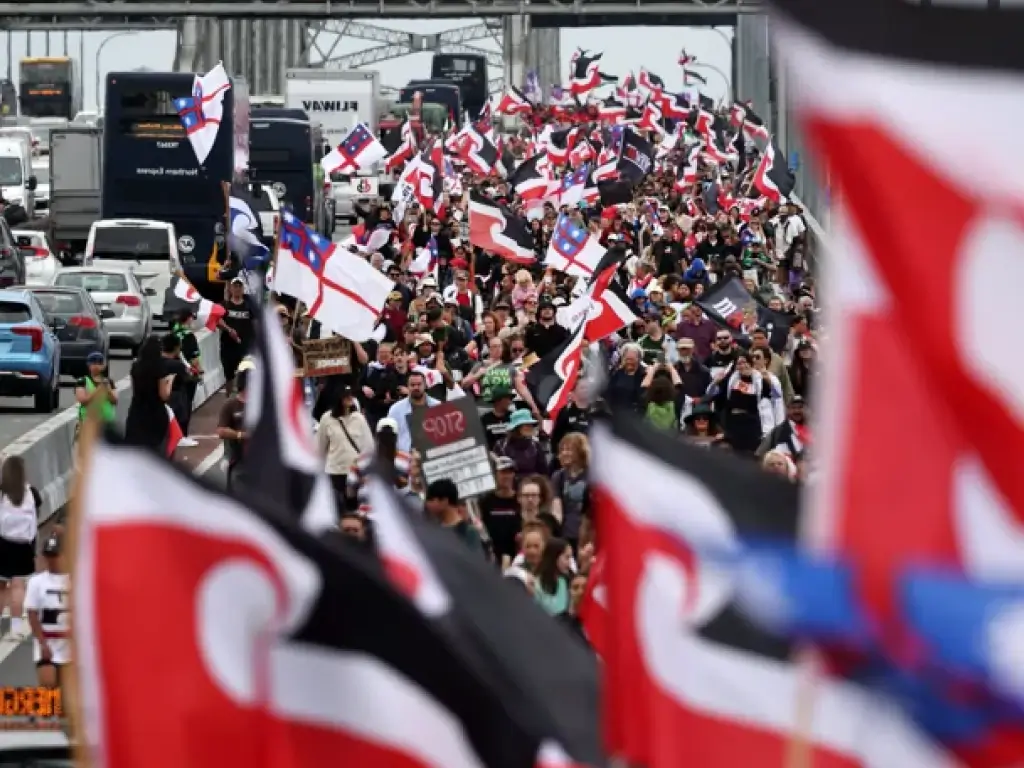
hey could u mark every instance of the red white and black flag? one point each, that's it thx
(289, 649)
(495, 228)
(553, 377)
(688, 678)
(282, 463)
(773, 178)
(530, 179)
(514, 102)
(869, 98)
(548, 678)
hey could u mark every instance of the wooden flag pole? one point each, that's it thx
(71, 698)
(800, 746)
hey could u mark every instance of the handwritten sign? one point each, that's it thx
(326, 357)
(452, 445)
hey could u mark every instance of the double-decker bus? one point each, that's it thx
(469, 72)
(150, 170)
(47, 87)
(285, 149)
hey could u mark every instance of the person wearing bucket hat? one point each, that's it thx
(521, 444)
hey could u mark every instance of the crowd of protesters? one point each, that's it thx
(473, 326)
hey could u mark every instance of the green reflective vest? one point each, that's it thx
(108, 412)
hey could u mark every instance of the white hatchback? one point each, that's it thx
(40, 262)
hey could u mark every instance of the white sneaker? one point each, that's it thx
(187, 442)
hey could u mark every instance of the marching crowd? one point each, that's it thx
(473, 327)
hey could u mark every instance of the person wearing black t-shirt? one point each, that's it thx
(496, 420)
(181, 387)
(545, 335)
(239, 314)
(500, 513)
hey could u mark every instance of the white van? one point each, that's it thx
(147, 248)
(17, 184)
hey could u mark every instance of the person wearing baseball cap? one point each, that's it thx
(47, 602)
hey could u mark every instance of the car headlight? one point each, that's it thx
(14, 200)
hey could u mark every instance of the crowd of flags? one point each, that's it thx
(736, 623)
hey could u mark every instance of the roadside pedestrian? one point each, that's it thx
(19, 510)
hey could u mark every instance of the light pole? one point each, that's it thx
(721, 74)
(99, 52)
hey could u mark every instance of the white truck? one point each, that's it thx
(339, 100)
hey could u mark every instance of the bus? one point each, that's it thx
(47, 87)
(285, 149)
(469, 72)
(150, 170)
(444, 93)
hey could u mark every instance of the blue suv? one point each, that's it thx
(29, 351)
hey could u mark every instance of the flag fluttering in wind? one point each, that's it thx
(293, 649)
(244, 236)
(181, 294)
(202, 112)
(282, 462)
(341, 290)
(359, 150)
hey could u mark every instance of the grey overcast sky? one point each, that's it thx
(625, 49)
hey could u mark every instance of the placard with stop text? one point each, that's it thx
(452, 444)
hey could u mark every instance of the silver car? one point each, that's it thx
(120, 292)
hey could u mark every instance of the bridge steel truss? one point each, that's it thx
(106, 14)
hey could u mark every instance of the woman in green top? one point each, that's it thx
(551, 585)
(91, 386)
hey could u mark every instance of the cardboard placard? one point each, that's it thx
(326, 357)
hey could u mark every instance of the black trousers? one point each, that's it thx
(185, 417)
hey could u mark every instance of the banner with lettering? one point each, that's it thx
(726, 302)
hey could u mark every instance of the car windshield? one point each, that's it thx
(60, 303)
(94, 282)
(10, 171)
(134, 243)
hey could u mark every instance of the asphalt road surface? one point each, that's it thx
(17, 416)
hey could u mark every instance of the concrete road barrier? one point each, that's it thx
(49, 449)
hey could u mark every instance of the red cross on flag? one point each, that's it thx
(359, 150)
(341, 290)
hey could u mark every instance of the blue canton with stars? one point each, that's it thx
(576, 178)
(306, 245)
(355, 141)
(190, 109)
(568, 238)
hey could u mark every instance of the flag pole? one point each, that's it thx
(226, 187)
(799, 747)
(71, 699)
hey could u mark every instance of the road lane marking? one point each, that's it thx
(210, 461)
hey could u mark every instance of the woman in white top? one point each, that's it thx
(18, 528)
(343, 435)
